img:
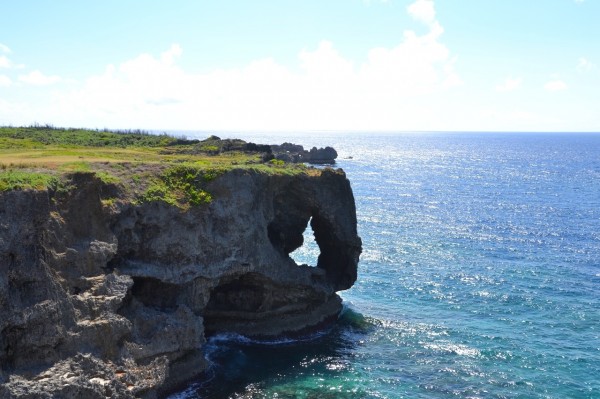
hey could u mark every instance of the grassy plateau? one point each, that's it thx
(150, 167)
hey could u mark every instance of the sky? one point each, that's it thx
(295, 65)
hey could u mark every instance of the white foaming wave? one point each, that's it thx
(189, 393)
(228, 337)
(218, 342)
(242, 339)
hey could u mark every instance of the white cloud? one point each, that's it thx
(423, 10)
(509, 84)
(584, 65)
(37, 78)
(169, 56)
(5, 62)
(5, 81)
(324, 91)
(556, 85)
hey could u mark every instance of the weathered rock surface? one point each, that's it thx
(112, 299)
(296, 153)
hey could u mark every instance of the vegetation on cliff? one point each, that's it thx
(151, 167)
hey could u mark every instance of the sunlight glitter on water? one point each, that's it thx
(479, 276)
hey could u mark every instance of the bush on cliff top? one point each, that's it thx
(25, 180)
(182, 185)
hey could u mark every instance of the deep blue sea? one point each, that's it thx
(479, 278)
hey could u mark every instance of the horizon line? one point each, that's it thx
(271, 131)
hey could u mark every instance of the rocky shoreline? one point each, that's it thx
(101, 296)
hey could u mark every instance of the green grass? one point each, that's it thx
(158, 192)
(7, 142)
(182, 185)
(50, 135)
(25, 180)
(76, 166)
(278, 168)
(146, 167)
(107, 178)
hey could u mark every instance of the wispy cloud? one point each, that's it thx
(5, 62)
(584, 65)
(169, 56)
(37, 78)
(5, 81)
(509, 84)
(423, 10)
(556, 85)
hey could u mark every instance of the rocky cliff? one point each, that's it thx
(101, 296)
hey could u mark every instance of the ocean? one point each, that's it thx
(479, 277)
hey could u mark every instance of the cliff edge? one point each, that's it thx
(104, 296)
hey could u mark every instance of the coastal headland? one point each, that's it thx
(121, 252)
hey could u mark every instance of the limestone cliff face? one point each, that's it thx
(100, 297)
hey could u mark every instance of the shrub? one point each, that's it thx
(23, 180)
(182, 185)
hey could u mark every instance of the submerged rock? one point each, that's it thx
(116, 300)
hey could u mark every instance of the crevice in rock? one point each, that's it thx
(4, 349)
(8, 339)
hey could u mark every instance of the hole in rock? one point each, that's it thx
(308, 252)
(155, 293)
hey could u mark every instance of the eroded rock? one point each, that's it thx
(98, 302)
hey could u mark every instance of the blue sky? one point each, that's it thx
(482, 65)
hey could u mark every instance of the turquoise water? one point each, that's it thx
(480, 276)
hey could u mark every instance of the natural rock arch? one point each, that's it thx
(334, 230)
